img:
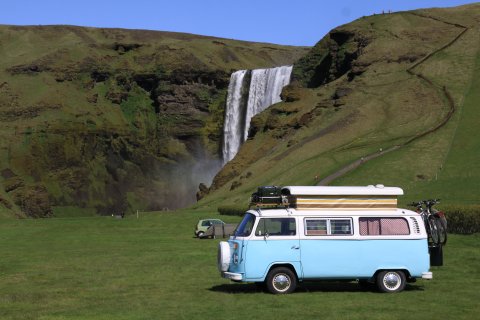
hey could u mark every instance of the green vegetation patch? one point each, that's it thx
(232, 210)
(137, 106)
(462, 219)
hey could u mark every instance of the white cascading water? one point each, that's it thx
(232, 126)
(264, 90)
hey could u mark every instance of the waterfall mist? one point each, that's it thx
(179, 184)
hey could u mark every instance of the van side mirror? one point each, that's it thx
(266, 235)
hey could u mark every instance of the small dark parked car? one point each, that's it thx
(224, 230)
(203, 225)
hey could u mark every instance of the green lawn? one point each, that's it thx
(153, 268)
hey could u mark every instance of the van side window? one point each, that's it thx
(383, 226)
(340, 226)
(315, 227)
(276, 227)
(326, 227)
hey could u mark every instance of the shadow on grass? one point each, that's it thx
(318, 286)
(339, 286)
(238, 288)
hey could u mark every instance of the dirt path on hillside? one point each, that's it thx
(446, 95)
(325, 181)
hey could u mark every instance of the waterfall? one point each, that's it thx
(264, 88)
(233, 126)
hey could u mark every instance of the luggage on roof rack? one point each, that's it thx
(267, 195)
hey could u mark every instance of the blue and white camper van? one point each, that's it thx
(355, 233)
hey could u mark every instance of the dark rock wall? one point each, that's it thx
(331, 58)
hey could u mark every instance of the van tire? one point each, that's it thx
(281, 280)
(391, 281)
(200, 234)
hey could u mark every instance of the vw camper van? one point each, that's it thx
(314, 233)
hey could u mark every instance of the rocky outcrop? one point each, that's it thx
(32, 199)
(203, 190)
(334, 56)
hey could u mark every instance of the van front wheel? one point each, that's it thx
(391, 281)
(281, 281)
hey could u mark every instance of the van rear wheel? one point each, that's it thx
(391, 281)
(281, 281)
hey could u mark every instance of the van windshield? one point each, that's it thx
(246, 225)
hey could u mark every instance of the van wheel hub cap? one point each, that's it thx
(281, 282)
(392, 281)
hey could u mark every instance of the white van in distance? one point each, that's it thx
(313, 233)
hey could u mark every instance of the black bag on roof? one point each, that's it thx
(267, 195)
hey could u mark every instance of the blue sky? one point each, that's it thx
(292, 22)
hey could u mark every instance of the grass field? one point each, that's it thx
(153, 268)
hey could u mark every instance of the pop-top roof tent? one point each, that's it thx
(344, 198)
(379, 189)
(353, 198)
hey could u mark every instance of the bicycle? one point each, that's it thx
(434, 220)
(440, 219)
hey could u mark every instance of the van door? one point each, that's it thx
(327, 248)
(276, 240)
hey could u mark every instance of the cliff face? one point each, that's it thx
(376, 95)
(111, 119)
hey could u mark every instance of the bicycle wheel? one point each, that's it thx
(442, 231)
(434, 234)
(443, 219)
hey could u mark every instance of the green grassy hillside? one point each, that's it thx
(113, 120)
(449, 158)
(399, 88)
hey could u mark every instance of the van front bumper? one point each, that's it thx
(232, 276)
(427, 275)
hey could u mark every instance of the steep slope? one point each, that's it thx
(385, 99)
(108, 120)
